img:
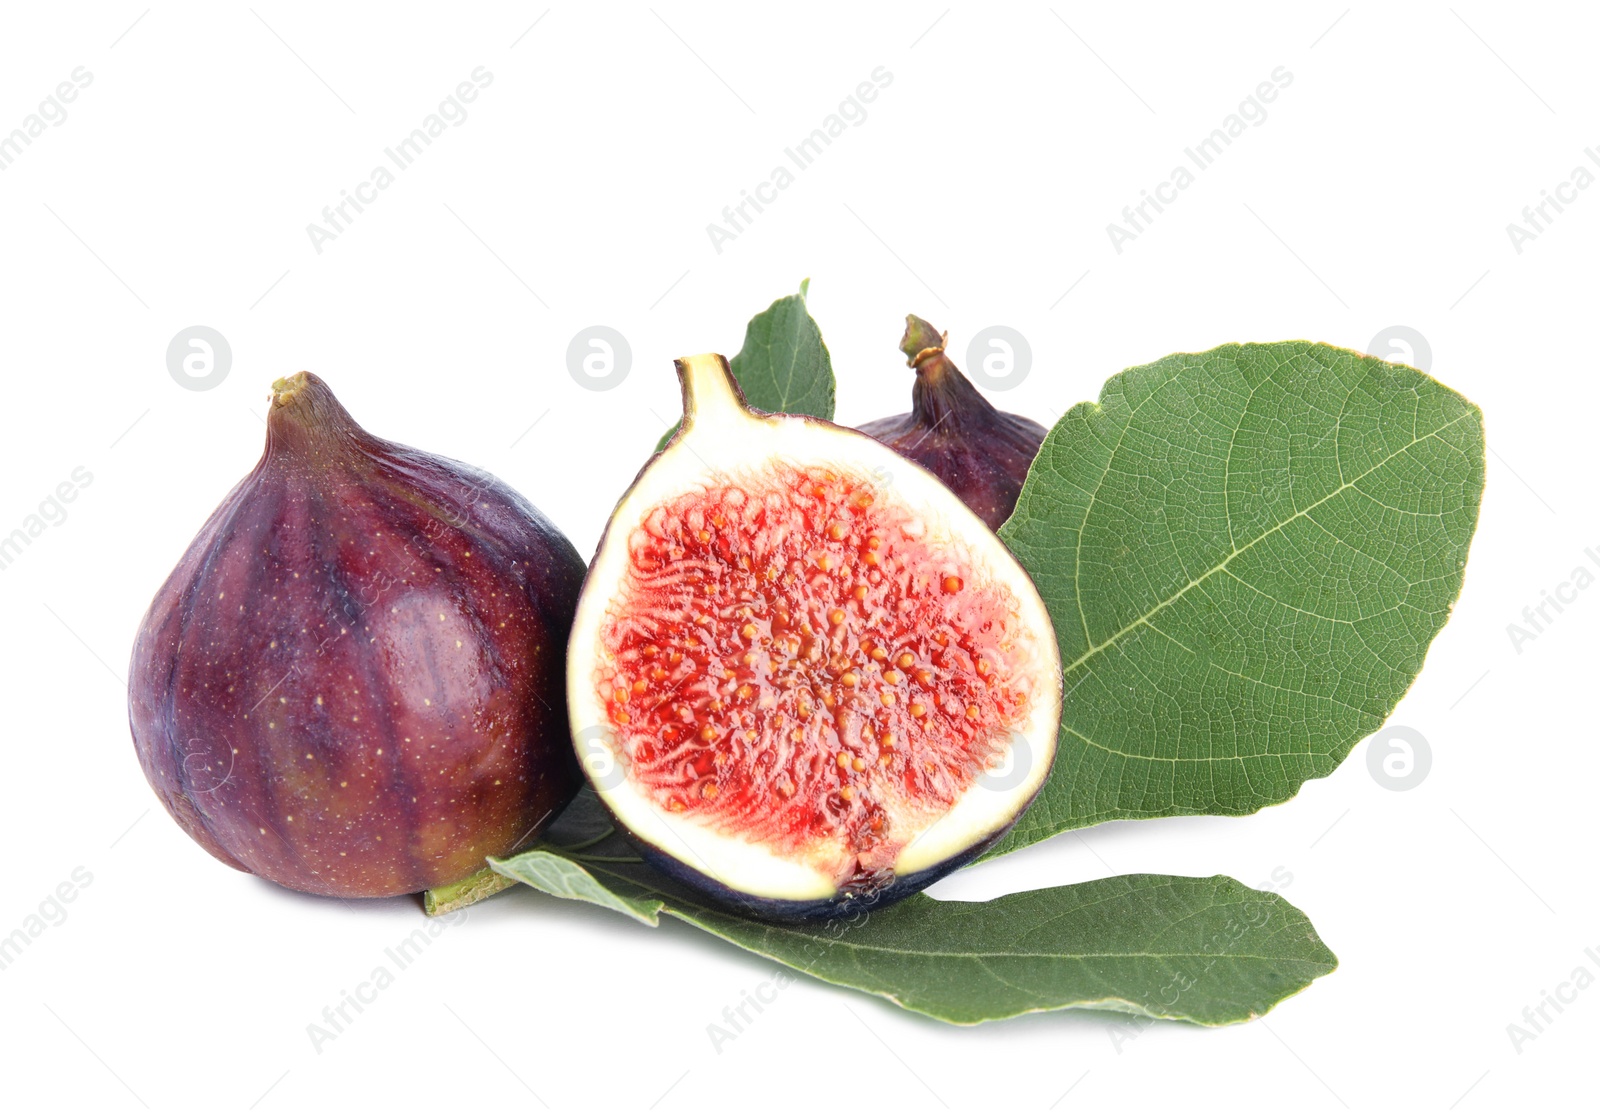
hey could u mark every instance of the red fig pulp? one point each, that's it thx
(980, 452)
(352, 683)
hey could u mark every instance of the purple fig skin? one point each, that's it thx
(353, 682)
(980, 452)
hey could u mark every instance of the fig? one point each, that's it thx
(804, 678)
(352, 682)
(980, 452)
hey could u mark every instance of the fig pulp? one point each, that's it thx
(803, 676)
(351, 684)
(980, 452)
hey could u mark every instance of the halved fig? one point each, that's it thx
(803, 676)
(980, 452)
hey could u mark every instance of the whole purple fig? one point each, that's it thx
(352, 683)
(980, 452)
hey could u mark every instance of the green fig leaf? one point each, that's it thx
(1205, 950)
(1245, 554)
(565, 878)
(783, 365)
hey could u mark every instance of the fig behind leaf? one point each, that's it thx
(980, 452)
(352, 683)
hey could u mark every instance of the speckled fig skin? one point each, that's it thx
(980, 452)
(352, 683)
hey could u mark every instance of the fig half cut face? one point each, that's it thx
(804, 677)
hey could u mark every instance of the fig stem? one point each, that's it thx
(468, 891)
(486, 883)
(921, 341)
(710, 393)
(284, 389)
(305, 418)
(941, 391)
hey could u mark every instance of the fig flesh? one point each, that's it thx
(804, 677)
(980, 452)
(351, 684)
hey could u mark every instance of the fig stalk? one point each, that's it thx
(980, 452)
(470, 890)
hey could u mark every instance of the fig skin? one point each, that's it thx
(846, 906)
(980, 452)
(352, 684)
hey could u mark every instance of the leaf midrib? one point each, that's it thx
(688, 908)
(1239, 551)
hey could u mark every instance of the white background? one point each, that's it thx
(978, 190)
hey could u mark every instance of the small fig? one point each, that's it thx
(800, 689)
(980, 452)
(351, 684)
